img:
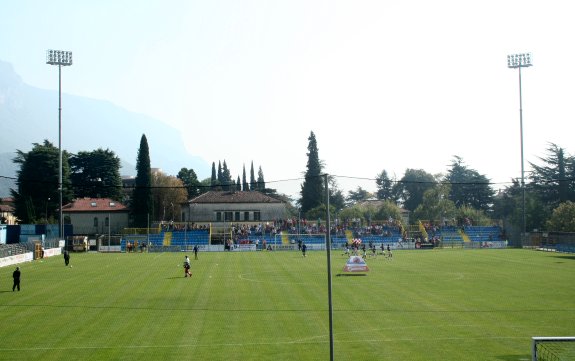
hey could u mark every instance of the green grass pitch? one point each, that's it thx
(422, 305)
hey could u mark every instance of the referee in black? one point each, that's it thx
(16, 276)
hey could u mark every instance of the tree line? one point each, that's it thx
(96, 174)
(461, 193)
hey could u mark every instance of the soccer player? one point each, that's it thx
(389, 254)
(66, 257)
(16, 276)
(346, 249)
(187, 267)
(196, 251)
(303, 248)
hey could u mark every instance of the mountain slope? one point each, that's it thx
(29, 115)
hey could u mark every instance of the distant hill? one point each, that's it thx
(29, 115)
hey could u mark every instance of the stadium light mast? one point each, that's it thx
(328, 252)
(518, 61)
(60, 58)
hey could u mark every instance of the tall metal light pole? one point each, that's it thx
(328, 252)
(60, 58)
(519, 61)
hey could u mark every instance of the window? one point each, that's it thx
(228, 216)
(93, 204)
(237, 216)
(106, 222)
(218, 216)
(246, 216)
(95, 221)
(257, 216)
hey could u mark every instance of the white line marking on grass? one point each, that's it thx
(243, 344)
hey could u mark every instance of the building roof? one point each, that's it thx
(94, 205)
(212, 197)
(4, 208)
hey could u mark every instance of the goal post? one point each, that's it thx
(553, 348)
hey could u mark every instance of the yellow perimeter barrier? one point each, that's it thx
(464, 235)
(349, 236)
(422, 230)
(168, 239)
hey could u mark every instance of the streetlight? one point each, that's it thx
(60, 58)
(518, 61)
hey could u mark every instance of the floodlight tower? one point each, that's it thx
(518, 61)
(60, 58)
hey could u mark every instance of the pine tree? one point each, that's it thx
(96, 174)
(37, 196)
(312, 187)
(468, 187)
(553, 180)
(385, 189)
(191, 182)
(142, 197)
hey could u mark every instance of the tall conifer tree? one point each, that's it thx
(312, 187)
(252, 178)
(245, 186)
(214, 179)
(261, 181)
(142, 197)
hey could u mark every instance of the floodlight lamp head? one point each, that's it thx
(58, 57)
(519, 60)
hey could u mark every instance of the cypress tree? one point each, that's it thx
(214, 180)
(252, 178)
(312, 187)
(142, 197)
(245, 186)
(261, 181)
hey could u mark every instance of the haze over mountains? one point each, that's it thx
(29, 115)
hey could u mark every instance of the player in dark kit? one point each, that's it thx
(66, 257)
(16, 276)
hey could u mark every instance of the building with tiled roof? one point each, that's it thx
(7, 211)
(234, 206)
(91, 216)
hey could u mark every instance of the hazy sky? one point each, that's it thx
(383, 84)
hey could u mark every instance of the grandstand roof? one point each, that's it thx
(234, 197)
